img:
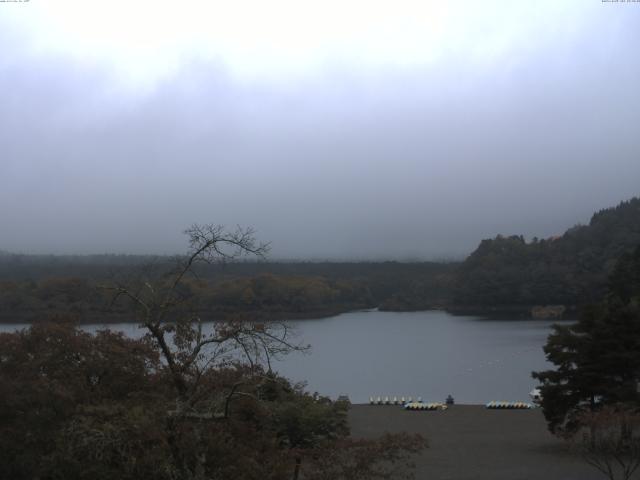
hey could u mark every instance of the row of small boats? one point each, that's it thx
(509, 405)
(409, 404)
(425, 406)
(392, 400)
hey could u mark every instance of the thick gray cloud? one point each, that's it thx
(418, 161)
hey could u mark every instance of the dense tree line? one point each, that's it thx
(505, 273)
(34, 287)
(265, 296)
(571, 269)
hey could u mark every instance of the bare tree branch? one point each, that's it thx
(160, 303)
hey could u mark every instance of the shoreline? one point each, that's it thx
(470, 442)
(507, 313)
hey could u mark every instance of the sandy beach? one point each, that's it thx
(469, 442)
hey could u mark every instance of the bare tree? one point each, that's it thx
(610, 441)
(211, 366)
(161, 303)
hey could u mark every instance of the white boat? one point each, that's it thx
(536, 396)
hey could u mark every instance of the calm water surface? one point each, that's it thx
(428, 354)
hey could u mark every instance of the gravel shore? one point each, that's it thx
(469, 442)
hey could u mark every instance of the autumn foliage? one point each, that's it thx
(80, 406)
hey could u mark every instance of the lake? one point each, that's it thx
(428, 354)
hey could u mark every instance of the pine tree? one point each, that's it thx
(598, 358)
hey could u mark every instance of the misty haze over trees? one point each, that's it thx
(397, 157)
(332, 140)
(506, 274)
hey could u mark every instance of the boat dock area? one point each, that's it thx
(472, 442)
(417, 404)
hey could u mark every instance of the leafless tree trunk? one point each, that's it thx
(188, 351)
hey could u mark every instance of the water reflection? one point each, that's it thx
(428, 354)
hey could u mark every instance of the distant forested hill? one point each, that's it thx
(570, 270)
(505, 274)
(36, 287)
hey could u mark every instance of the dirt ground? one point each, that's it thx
(469, 442)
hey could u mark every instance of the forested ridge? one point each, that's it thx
(31, 287)
(571, 269)
(506, 272)
(263, 296)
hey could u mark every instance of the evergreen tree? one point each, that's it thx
(597, 358)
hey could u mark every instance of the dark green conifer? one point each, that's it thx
(598, 358)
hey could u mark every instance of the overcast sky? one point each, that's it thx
(337, 129)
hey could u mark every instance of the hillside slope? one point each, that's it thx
(570, 270)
